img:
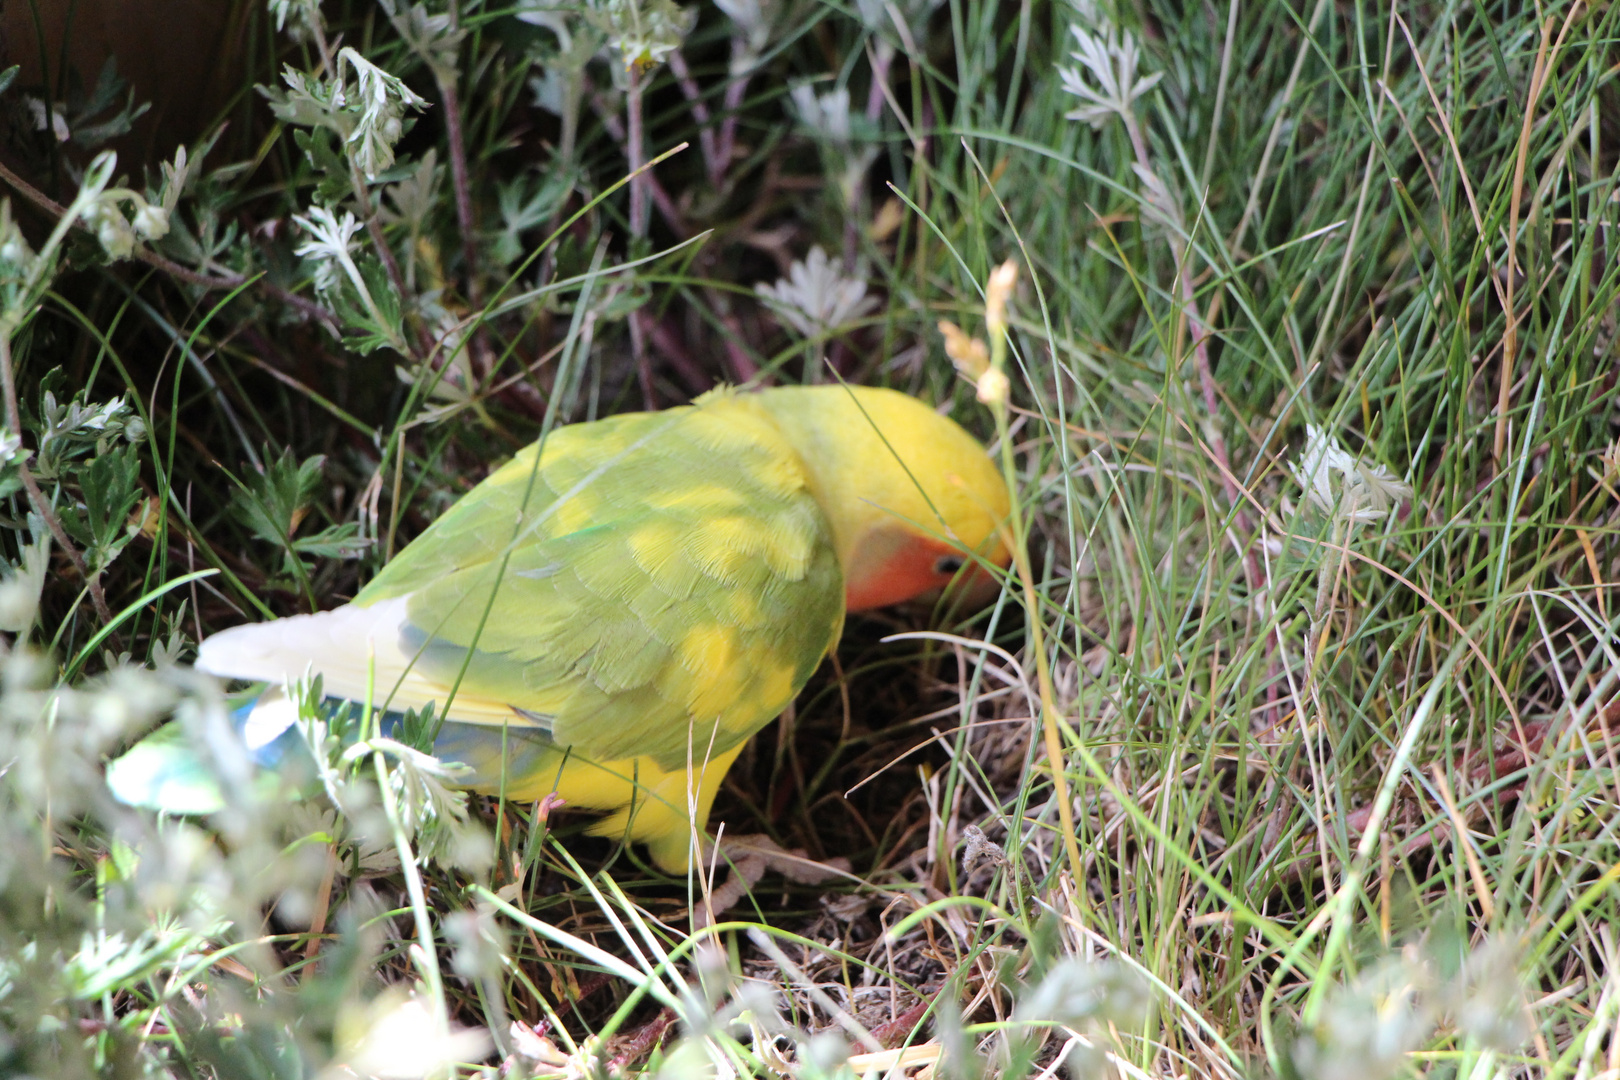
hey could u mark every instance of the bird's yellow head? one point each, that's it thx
(912, 498)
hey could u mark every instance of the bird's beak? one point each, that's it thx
(972, 590)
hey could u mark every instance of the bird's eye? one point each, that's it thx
(949, 565)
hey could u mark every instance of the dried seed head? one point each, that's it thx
(968, 354)
(994, 388)
(997, 293)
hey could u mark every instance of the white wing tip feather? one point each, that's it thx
(357, 653)
(340, 644)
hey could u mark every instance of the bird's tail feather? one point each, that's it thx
(357, 653)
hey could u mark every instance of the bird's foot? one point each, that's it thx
(750, 858)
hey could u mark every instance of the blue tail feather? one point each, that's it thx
(165, 772)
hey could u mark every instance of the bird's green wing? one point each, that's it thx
(655, 582)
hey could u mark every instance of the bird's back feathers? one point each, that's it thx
(633, 586)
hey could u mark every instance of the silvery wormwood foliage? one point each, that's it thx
(330, 246)
(434, 36)
(755, 21)
(1338, 482)
(825, 114)
(79, 429)
(304, 15)
(382, 99)
(1369, 1028)
(837, 128)
(816, 298)
(118, 233)
(1110, 57)
(368, 115)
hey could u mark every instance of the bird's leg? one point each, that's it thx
(750, 858)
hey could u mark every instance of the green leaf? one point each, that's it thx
(365, 332)
(320, 146)
(273, 506)
(85, 118)
(334, 542)
(528, 203)
(111, 486)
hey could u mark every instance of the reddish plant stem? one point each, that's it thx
(460, 182)
(660, 197)
(638, 351)
(700, 109)
(726, 145)
(895, 1032)
(43, 507)
(634, 136)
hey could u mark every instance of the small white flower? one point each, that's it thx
(329, 237)
(643, 32)
(151, 222)
(331, 246)
(815, 298)
(1110, 58)
(112, 230)
(1338, 482)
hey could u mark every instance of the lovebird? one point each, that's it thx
(615, 611)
